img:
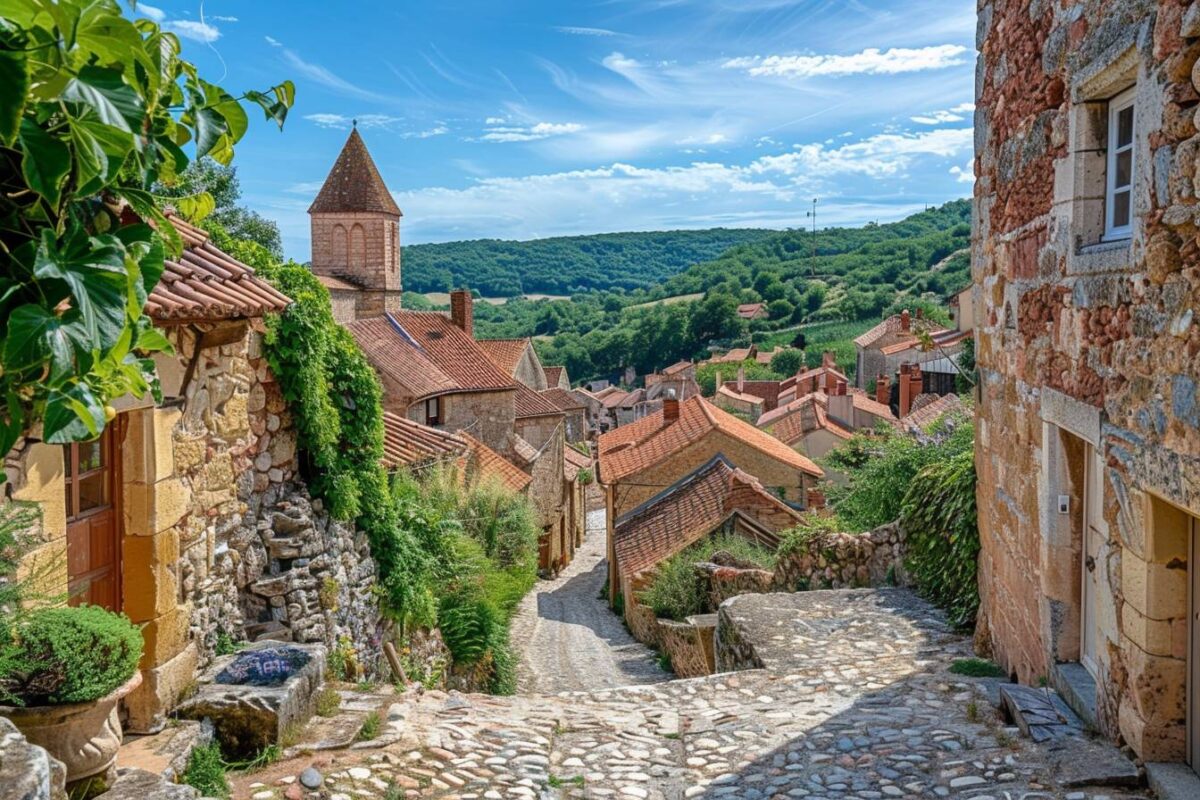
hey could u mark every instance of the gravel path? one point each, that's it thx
(566, 636)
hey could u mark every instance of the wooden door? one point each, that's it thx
(93, 532)
(1093, 558)
(1193, 691)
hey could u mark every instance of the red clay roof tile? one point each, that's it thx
(407, 443)
(354, 184)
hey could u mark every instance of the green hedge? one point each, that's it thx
(677, 591)
(58, 656)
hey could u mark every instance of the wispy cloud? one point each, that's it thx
(191, 29)
(319, 74)
(871, 61)
(578, 30)
(369, 121)
(500, 131)
(965, 174)
(221, 18)
(151, 12)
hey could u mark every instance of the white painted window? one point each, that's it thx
(1118, 189)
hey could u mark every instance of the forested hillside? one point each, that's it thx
(568, 264)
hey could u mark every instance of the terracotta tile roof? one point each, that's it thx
(787, 409)
(529, 403)
(907, 343)
(330, 282)
(864, 402)
(408, 443)
(606, 391)
(737, 354)
(612, 399)
(398, 358)
(810, 417)
(889, 325)
(681, 515)
(354, 184)
(749, 310)
(489, 463)
(635, 447)
(554, 375)
(767, 390)
(562, 399)
(456, 354)
(731, 392)
(208, 284)
(504, 353)
(523, 449)
(949, 338)
(678, 366)
(765, 356)
(927, 409)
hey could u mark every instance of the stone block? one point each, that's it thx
(152, 508)
(148, 449)
(44, 483)
(150, 585)
(1156, 590)
(165, 637)
(1157, 686)
(162, 687)
(27, 771)
(189, 454)
(1153, 636)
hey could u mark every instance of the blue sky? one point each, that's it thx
(530, 118)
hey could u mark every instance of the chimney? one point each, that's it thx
(719, 382)
(905, 321)
(829, 359)
(883, 389)
(911, 382)
(840, 405)
(839, 388)
(670, 407)
(741, 379)
(462, 312)
(920, 313)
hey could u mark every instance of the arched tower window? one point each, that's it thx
(338, 247)
(358, 247)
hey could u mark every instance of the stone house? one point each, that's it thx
(805, 424)
(1088, 409)
(962, 310)
(518, 358)
(557, 376)
(355, 227)
(574, 410)
(895, 341)
(639, 460)
(737, 401)
(190, 517)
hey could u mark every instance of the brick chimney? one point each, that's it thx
(839, 388)
(829, 359)
(840, 405)
(670, 407)
(911, 385)
(462, 312)
(905, 321)
(883, 389)
(741, 379)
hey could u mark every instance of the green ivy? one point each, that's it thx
(95, 110)
(939, 516)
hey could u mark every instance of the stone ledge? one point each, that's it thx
(1172, 781)
(1078, 689)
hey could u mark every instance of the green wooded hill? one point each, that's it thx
(567, 264)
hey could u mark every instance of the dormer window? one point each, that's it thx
(1118, 196)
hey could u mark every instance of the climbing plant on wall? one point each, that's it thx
(95, 109)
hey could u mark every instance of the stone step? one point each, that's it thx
(139, 784)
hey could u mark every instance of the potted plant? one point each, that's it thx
(62, 672)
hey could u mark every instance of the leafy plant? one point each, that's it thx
(206, 771)
(370, 727)
(976, 668)
(57, 656)
(677, 592)
(329, 702)
(94, 110)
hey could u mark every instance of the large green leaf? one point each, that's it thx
(35, 336)
(14, 83)
(153, 253)
(45, 161)
(103, 90)
(210, 127)
(72, 414)
(94, 269)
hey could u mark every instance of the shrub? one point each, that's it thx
(677, 591)
(329, 702)
(976, 668)
(939, 516)
(57, 656)
(206, 771)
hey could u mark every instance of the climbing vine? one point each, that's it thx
(939, 516)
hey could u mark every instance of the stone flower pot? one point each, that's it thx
(83, 736)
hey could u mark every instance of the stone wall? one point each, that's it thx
(689, 644)
(361, 247)
(488, 416)
(1087, 351)
(845, 560)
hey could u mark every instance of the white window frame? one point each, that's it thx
(1123, 101)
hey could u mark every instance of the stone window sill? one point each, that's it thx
(1102, 257)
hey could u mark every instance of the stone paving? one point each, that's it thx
(567, 637)
(855, 701)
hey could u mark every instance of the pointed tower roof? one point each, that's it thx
(354, 184)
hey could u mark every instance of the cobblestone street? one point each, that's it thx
(854, 701)
(567, 637)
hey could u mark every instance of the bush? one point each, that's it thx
(677, 591)
(57, 656)
(939, 516)
(206, 771)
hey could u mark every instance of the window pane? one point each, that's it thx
(1124, 126)
(1124, 168)
(1121, 209)
(90, 456)
(93, 492)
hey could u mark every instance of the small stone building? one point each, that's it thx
(190, 517)
(1086, 289)
(805, 425)
(639, 460)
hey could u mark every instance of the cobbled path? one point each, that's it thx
(855, 702)
(567, 637)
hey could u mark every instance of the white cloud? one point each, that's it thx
(323, 76)
(495, 121)
(369, 121)
(965, 174)
(532, 133)
(943, 116)
(221, 18)
(191, 29)
(584, 31)
(871, 61)
(271, 40)
(328, 120)
(151, 12)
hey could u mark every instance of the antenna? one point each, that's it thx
(813, 215)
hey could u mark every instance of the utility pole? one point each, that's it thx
(813, 216)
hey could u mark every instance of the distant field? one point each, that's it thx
(443, 298)
(668, 301)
